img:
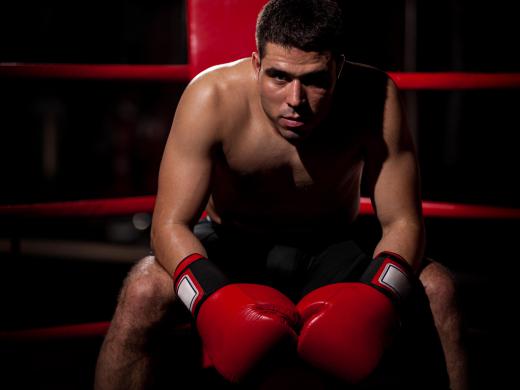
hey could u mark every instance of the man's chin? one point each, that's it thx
(294, 135)
(291, 135)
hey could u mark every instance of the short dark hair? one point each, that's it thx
(309, 25)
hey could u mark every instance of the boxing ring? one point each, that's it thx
(209, 25)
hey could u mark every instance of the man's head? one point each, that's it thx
(298, 63)
(308, 25)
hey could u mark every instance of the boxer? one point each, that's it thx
(276, 147)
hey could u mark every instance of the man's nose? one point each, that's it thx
(296, 94)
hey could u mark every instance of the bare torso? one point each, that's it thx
(262, 182)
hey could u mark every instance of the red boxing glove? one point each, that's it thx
(238, 323)
(347, 326)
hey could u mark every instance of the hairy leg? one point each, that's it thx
(125, 359)
(440, 289)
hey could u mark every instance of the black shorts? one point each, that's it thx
(300, 264)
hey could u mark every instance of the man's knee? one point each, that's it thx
(438, 283)
(147, 292)
(440, 287)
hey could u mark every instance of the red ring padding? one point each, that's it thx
(145, 204)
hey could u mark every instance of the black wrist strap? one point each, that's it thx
(390, 274)
(195, 279)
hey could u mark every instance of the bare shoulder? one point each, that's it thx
(375, 77)
(213, 86)
(212, 98)
(227, 85)
(361, 97)
(227, 73)
(377, 103)
(364, 72)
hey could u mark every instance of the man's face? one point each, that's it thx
(295, 88)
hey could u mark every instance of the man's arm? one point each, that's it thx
(238, 324)
(393, 181)
(185, 174)
(351, 346)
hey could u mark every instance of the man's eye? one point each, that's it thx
(318, 81)
(281, 77)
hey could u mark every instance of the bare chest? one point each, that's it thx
(265, 178)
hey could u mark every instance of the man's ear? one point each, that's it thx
(341, 63)
(255, 61)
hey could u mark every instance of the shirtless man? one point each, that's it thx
(275, 148)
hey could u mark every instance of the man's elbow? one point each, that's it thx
(158, 232)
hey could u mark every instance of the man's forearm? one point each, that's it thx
(404, 238)
(172, 243)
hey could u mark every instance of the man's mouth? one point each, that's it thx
(292, 122)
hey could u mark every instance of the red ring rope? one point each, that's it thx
(182, 73)
(455, 80)
(57, 332)
(63, 332)
(179, 73)
(82, 208)
(144, 204)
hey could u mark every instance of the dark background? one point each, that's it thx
(110, 134)
(108, 138)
